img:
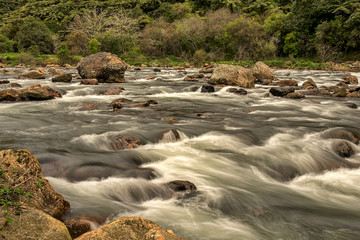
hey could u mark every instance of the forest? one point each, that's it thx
(183, 30)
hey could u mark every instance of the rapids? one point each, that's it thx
(258, 162)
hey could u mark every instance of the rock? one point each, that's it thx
(317, 91)
(137, 69)
(232, 75)
(4, 82)
(171, 120)
(197, 75)
(9, 95)
(340, 92)
(126, 228)
(353, 94)
(152, 101)
(295, 95)
(117, 103)
(237, 91)
(190, 78)
(55, 72)
(281, 91)
(157, 70)
(126, 142)
(89, 106)
(32, 74)
(351, 105)
(343, 149)
(21, 168)
(77, 226)
(207, 70)
(89, 82)
(309, 84)
(34, 224)
(113, 91)
(261, 71)
(342, 134)
(342, 84)
(63, 78)
(181, 186)
(105, 67)
(15, 85)
(10, 73)
(351, 80)
(144, 173)
(284, 83)
(34, 93)
(139, 104)
(207, 89)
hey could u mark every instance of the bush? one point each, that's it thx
(33, 32)
(94, 46)
(199, 57)
(77, 41)
(291, 44)
(26, 58)
(63, 53)
(5, 44)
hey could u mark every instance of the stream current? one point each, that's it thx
(232, 147)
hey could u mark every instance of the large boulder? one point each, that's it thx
(232, 75)
(32, 74)
(34, 93)
(21, 168)
(261, 71)
(105, 67)
(134, 228)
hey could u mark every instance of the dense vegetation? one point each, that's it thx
(185, 30)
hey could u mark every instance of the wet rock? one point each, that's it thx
(295, 95)
(207, 70)
(232, 75)
(181, 186)
(342, 84)
(113, 91)
(55, 72)
(105, 67)
(237, 91)
(122, 142)
(21, 168)
(197, 75)
(343, 149)
(353, 94)
(144, 173)
(9, 95)
(89, 106)
(34, 224)
(118, 103)
(152, 101)
(77, 226)
(137, 69)
(34, 93)
(316, 92)
(207, 89)
(157, 70)
(281, 91)
(351, 105)
(284, 83)
(171, 120)
(138, 104)
(125, 228)
(342, 134)
(283, 173)
(351, 80)
(4, 82)
(32, 74)
(309, 84)
(261, 71)
(89, 82)
(340, 92)
(15, 85)
(63, 78)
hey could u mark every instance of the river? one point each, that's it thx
(232, 147)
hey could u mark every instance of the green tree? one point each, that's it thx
(63, 53)
(6, 45)
(94, 46)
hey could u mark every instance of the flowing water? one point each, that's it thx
(241, 152)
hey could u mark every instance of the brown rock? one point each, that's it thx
(15, 85)
(113, 91)
(34, 93)
(232, 75)
(89, 82)
(10, 73)
(140, 104)
(126, 228)
(351, 80)
(89, 106)
(343, 134)
(171, 120)
(9, 95)
(309, 84)
(32, 74)
(284, 83)
(295, 95)
(354, 94)
(117, 103)
(126, 142)
(63, 78)
(340, 92)
(181, 186)
(55, 72)
(261, 71)
(198, 75)
(105, 67)
(189, 78)
(77, 226)
(343, 149)
(4, 82)
(237, 91)
(21, 168)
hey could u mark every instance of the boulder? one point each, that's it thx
(9, 95)
(284, 83)
(309, 84)
(351, 105)
(15, 85)
(281, 91)
(89, 82)
(113, 91)
(105, 67)
(342, 134)
(21, 168)
(261, 71)
(32, 74)
(207, 89)
(34, 224)
(55, 72)
(157, 70)
(295, 95)
(34, 93)
(181, 186)
(343, 149)
(126, 142)
(237, 91)
(63, 78)
(351, 80)
(77, 226)
(232, 75)
(126, 228)
(340, 92)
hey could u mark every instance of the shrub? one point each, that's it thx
(63, 53)
(77, 41)
(199, 57)
(26, 58)
(291, 44)
(33, 32)
(94, 46)
(5, 44)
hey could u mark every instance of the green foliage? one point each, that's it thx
(77, 41)
(6, 45)
(94, 46)
(34, 32)
(292, 44)
(63, 53)
(199, 57)
(39, 184)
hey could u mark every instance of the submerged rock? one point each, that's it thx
(237, 91)
(4, 82)
(340, 92)
(15, 85)
(184, 187)
(113, 91)
(232, 75)
(125, 228)
(122, 142)
(207, 89)
(342, 134)
(105, 67)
